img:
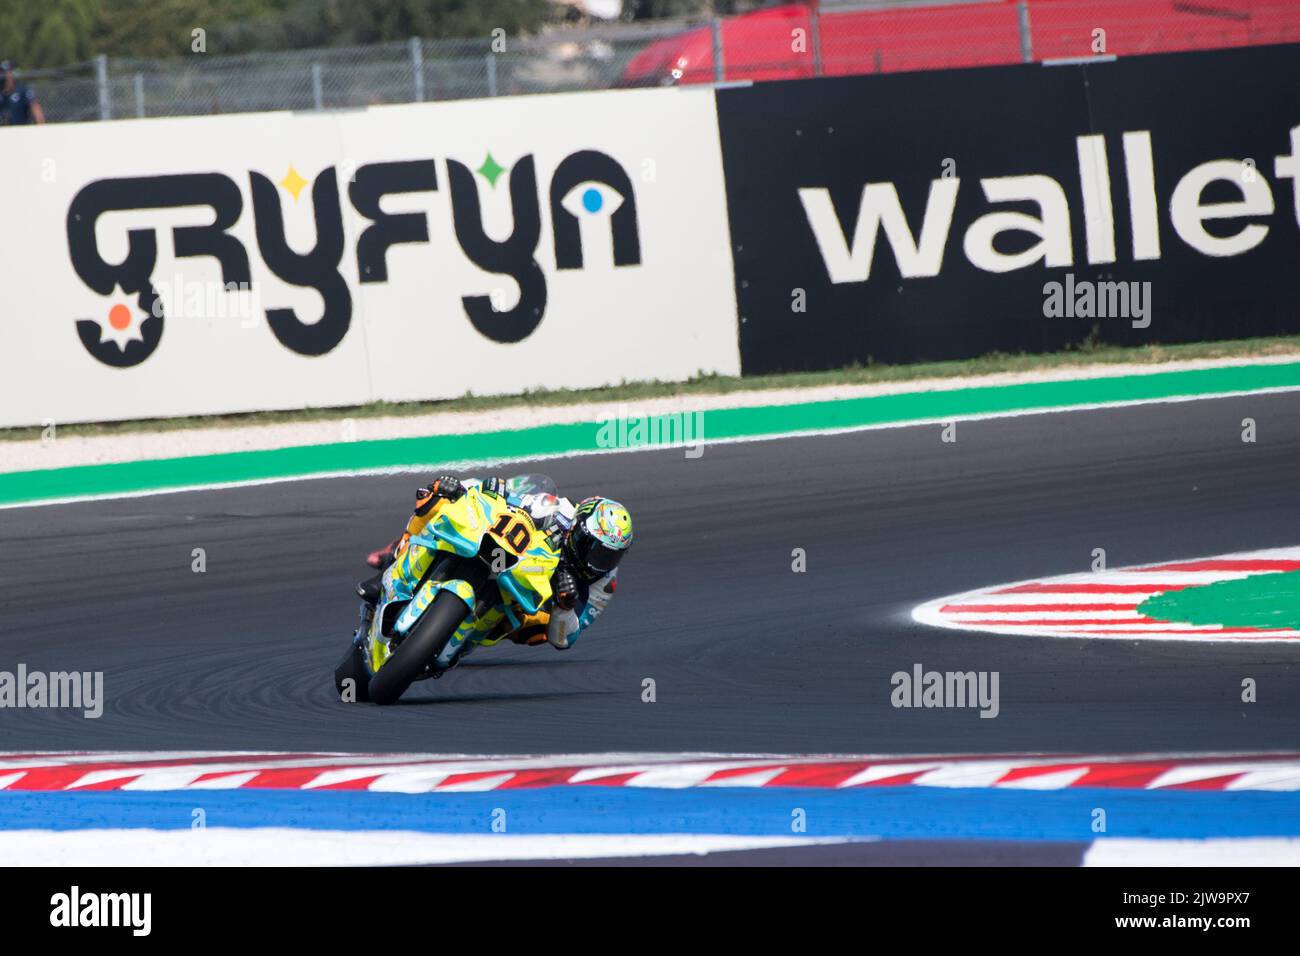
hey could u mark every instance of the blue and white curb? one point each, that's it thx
(274, 809)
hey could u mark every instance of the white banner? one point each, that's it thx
(172, 267)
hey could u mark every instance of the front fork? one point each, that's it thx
(460, 643)
(367, 615)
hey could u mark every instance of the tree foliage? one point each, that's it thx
(48, 32)
(55, 32)
(655, 9)
(38, 33)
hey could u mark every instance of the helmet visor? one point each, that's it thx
(599, 557)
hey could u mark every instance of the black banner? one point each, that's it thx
(310, 908)
(928, 216)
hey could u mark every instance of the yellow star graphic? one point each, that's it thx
(293, 182)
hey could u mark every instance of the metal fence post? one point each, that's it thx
(719, 68)
(492, 74)
(1026, 39)
(317, 89)
(815, 23)
(417, 67)
(139, 95)
(101, 79)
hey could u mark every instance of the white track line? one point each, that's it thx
(276, 846)
(1264, 851)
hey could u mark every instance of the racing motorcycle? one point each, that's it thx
(479, 572)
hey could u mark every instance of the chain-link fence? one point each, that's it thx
(343, 77)
(835, 37)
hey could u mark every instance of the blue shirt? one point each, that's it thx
(16, 106)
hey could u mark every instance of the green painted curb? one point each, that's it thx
(85, 481)
(1260, 600)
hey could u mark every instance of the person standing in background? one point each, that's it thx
(18, 104)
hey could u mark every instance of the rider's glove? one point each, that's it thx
(444, 486)
(565, 588)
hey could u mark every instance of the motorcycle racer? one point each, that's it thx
(592, 538)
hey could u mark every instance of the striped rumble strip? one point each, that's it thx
(416, 773)
(1106, 603)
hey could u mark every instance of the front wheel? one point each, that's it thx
(351, 679)
(425, 642)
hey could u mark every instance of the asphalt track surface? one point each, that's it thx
(746, 655)
(865, 853)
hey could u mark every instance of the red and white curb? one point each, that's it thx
(440, 774)
(1105, 603)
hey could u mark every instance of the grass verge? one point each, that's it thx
(708, 385)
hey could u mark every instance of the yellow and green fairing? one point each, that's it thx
(459, 527)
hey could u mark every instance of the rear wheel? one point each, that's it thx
(425, 642)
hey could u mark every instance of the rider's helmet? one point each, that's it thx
(601, 535)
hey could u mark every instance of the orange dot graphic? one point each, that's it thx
(119, 317)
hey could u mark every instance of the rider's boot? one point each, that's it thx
(370, 589)
(366, 617)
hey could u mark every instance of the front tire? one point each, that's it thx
(425, 642)
(352, 668)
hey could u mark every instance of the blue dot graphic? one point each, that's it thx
(591, 200)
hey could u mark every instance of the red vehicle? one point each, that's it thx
(797, 40)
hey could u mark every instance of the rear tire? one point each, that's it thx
(425, 642)
(352, 668)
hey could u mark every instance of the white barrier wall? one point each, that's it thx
(174, 267)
